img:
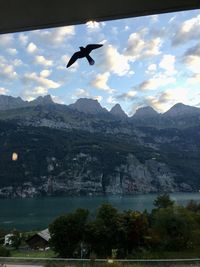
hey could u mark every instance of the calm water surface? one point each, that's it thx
(37, 213)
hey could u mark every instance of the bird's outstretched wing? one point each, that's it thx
(73, 59)
(91, 47)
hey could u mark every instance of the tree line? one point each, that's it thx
(111, 233)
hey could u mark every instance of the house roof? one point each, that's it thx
(21, 15)
(44, 234)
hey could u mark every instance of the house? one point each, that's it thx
(39, 240)
(8, 240)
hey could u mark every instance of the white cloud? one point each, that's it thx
(162, 78)
(31, 48)
(111, 60)
(188, 30)
(64, 60)
(164, 100)
(55, 36)
(154, 18)
(138, 47)
(151, 68)
(191, 58)
(38, 84)
(7, 71)
(6, 39)
(17, 62)
(61, 33)
(39, 90)
(167, 63)
(111, 100)
(41, 60)
(82, 93)
(131, 72)
(3, 91)
(158, 80)
(93, 25)
(135, 46)
(130, 95)
(99, 98)
(194, 79)
(57, 99)
(100, 82)
(45, 73)
(40, 81)
(23, 38)
(32, 93)
(12, 51)
(152, 47)
(192, 63)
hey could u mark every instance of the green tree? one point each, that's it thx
(134, 230)
(103, 233)
(163, 201)
(4, 252)
(16, 239)
(193, 206)
(3, 232)
(174, 227)
(67, 232)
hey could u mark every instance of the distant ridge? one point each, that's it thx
(181, 109)
(145, 112)
(42, 100)
(10, 102)
(93, 107)
(88, 105)
(118, 112)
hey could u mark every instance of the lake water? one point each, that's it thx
(37, 213)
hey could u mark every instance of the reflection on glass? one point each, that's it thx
(14, 156)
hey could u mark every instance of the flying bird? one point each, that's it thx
(84, 52)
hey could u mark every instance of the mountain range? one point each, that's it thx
(91, 106)
(178, 116)
(85, 149)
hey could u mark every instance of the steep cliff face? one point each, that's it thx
(118, 112)
(55, 162)
(81, 178)
(67, 151)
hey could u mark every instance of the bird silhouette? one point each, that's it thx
(84, 52)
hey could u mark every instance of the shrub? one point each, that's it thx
(4, 252)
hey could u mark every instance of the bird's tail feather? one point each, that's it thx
(90, 60)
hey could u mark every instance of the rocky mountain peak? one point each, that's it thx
(118, 111)
(42, 100)
(88, 105)
(145, 112)
(10, 102)
(181, 109)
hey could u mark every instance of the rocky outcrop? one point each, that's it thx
(87, 105)
(81, 178)
(9, 102)
(118, 112)
(86, 150)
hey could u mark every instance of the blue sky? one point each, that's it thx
(150, 60)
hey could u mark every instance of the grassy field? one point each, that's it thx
(143, 255)
(33, 254)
